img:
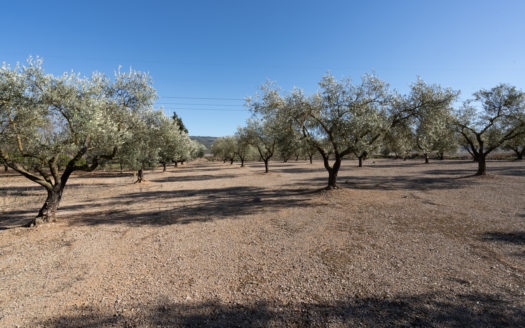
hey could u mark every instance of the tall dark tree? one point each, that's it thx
(179, 122)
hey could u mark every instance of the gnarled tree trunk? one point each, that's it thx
(332, 171)
(140, 176)
(482, 166)
(265, 165)
(48, 211)
(519, 154)
(361, 158)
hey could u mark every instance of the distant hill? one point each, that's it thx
(206, 141)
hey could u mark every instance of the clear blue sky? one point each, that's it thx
(226, 49)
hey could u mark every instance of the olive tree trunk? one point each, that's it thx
(48, 211)
(482, 166)
(332, 171)
(140, 176)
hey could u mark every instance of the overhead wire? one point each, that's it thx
(203, 98)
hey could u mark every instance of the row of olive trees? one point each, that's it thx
(344, 118)
(53, 126)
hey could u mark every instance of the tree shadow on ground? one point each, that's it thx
(200, 205)
(392, 183)
(502, 170)
(196, 205)
(104, 174)
(516, 238)
(423, 310)
(299, 170)
(187, 178)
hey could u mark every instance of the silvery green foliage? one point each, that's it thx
(197, 150)
(184, 149)
(400, 139)
(262, 134)
(243, 148)
(491, 118)
(339, 119)
(434, 129)
(224, 148)
(155, 139)
(70, 118)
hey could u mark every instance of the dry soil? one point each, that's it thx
(212, 244)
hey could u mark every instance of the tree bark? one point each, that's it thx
(48, 211)
(176, 164)
(426, 158)
(140, 176)
(360, 161)
(266, 166)
(242, 162)
(311, 158)
(231, 161)
(441, 156)
(6, 167)
(332, 172)
(519, 154)
(482, 166)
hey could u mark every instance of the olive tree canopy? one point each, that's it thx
(490, 119)
(80, 120)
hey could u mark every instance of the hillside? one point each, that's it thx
(206, 141)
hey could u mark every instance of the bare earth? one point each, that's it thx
(209, 244)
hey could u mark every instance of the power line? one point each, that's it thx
(205, 98)
(196, 104)
(211, 109)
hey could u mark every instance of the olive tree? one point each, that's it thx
(490, 119)
(435, 130)
(335, 120)
(224, 148)
(400, 140)
(197, 150)
(262, 135)
(243, 148)
(79, 120)
(169, 137)
(517, 145)
(184, 150)
(343, 118)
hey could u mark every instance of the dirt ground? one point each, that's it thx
(209, 244)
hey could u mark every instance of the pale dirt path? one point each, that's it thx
(401, 244)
